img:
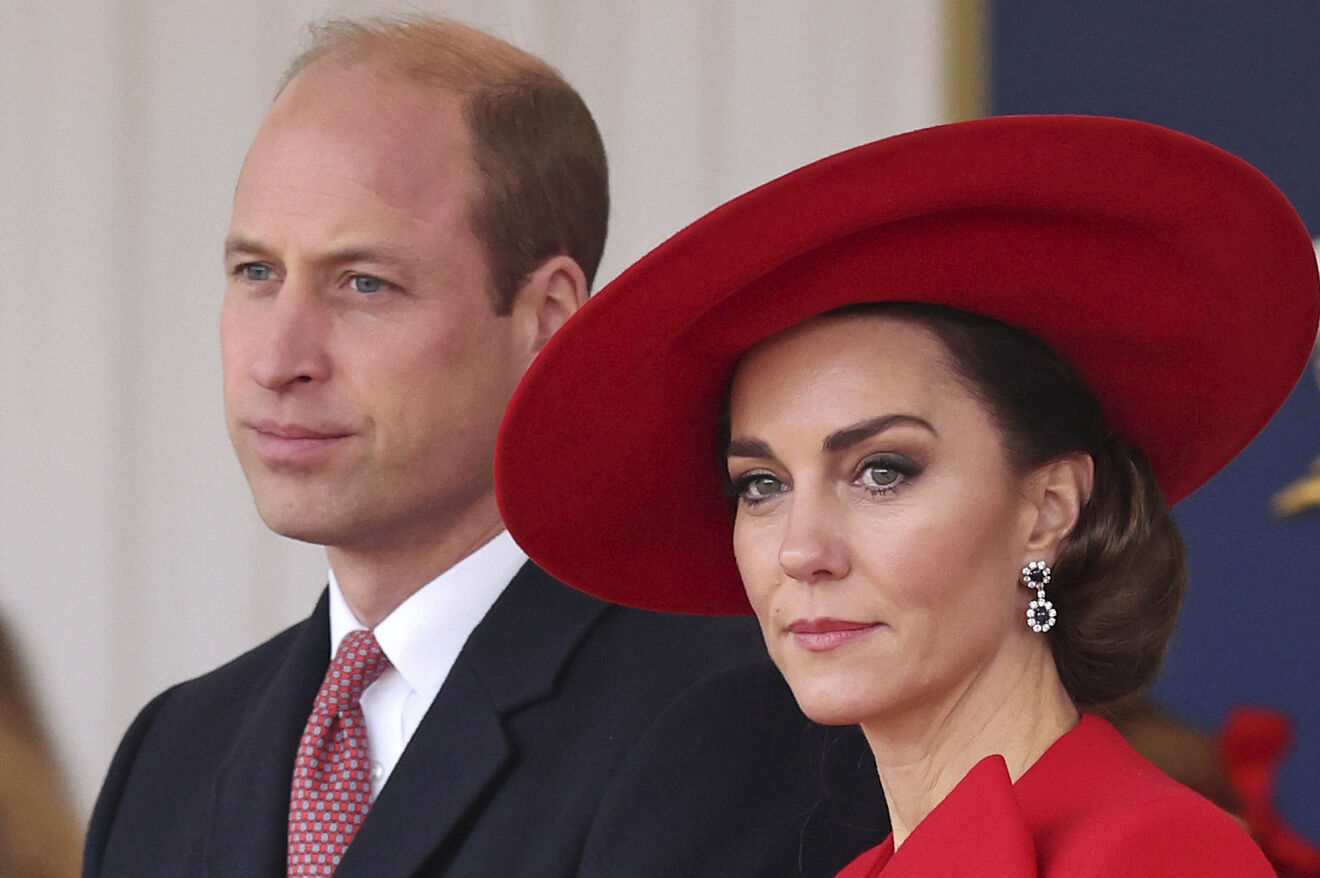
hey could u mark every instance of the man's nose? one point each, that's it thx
(294, 329)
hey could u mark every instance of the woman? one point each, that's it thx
(949, 380)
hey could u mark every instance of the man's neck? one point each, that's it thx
(376, 579)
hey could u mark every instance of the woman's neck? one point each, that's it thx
(922, 752)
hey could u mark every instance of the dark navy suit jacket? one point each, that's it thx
(571, 738)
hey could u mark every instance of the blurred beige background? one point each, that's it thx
(130, 554)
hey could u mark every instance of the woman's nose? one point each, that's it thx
(813, 548)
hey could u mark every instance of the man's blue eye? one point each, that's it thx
(257, 272)
(365, 283)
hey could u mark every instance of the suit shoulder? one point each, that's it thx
(196, 708)
(710, 642)
(732, 750)
(162, 772)
(240, 672)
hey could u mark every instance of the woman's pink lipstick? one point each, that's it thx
(822, 635)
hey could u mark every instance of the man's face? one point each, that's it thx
(364, 370)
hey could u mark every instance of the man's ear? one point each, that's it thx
(1058, 490)
(551, 295)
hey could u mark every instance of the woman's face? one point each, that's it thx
(880, 528)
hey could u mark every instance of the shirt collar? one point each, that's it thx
(422, 637)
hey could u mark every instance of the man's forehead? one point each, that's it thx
(381, 108)
(363, 85)
(336, 138)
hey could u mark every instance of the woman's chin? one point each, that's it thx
(831, 706)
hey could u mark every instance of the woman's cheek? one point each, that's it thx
(757, 564)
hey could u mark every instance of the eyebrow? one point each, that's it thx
(238, 244)
(747, 448)
(378, 255)
(850, 436)
(836, 441)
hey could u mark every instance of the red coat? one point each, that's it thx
(1090, 807)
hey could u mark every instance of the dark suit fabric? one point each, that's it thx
(571, 738)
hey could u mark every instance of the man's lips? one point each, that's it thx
(294, 443)
(823, 634)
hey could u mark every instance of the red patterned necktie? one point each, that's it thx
(332, 773)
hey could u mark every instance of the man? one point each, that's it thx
(421, 209)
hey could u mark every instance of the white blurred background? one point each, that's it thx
(130, 553)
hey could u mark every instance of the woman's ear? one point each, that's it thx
(1058, 490)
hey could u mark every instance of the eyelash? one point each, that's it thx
(737, 488)
(905, 467)
(382, 284)
(240, 271)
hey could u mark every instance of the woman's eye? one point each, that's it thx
(885, 474)
(880, 477)
(365, 283)
(755, 487)
(255, 271)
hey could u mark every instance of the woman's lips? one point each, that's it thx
(293, 443)
(822, 635)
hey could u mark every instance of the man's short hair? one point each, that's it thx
(544, 187)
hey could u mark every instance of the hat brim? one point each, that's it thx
(1174, 276)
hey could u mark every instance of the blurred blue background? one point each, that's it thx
(1244, 76)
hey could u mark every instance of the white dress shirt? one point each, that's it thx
(422, 639)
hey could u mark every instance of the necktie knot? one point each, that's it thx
(358, 663)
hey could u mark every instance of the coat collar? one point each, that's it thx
(980, 814)
(458, 750)
(1004, 823)
(511, 660)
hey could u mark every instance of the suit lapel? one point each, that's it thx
(512, 659)
(250, 807)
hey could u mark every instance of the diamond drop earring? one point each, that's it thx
(1040, 612)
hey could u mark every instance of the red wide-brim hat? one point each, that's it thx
(1174, 276)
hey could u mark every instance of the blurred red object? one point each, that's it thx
(1252, 744)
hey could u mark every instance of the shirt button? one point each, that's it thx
(377, 771)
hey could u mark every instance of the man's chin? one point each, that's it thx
(320, 532)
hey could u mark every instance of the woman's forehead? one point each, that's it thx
(877, 346)
(836, 363)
